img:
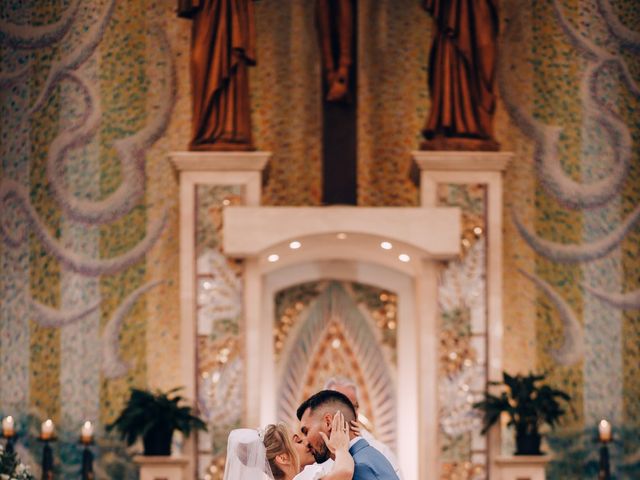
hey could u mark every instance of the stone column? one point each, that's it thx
(242, 169)
(432, 168)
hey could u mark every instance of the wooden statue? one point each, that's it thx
(462, 75)
(335, 29)
(222, 49)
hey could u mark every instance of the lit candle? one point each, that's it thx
(86, 433)
(8, 426)
(604, 431)
(46, 432)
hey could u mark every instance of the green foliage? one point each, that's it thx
(147, 410)
(11, 468)
(528, 403)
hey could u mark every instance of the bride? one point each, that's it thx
(272, 454)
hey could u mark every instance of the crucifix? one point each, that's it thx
(222, 49)
(336, 20)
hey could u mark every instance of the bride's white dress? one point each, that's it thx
(246, 456)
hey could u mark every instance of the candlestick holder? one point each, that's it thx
(47, 457)
(9, 448)
(604, 466)
(87, 460)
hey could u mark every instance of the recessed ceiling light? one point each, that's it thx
(386, 245)
(295, 245)
(274, 257)
(403, 257)
(341, 236)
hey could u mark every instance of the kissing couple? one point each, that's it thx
(328, 432)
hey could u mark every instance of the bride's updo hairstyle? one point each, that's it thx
(277, 441)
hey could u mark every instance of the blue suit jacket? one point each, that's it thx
(370, 464)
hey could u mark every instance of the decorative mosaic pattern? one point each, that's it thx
(220, 382)
(333, 337)
(463, 336)
(210, 201)
(575, 227)
(394, 37)
(77, 94)
(472, 201)
(383, 308)
(285, 101)
(290, 306)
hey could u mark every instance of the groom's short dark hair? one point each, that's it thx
(325, 397)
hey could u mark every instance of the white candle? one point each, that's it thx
(86, 433)
(8, 426)
(46, 432)
(604, 431)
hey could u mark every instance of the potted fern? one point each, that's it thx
(154, 417)
(529, 405)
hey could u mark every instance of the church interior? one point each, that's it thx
(430, 199)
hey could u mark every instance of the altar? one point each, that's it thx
(334, 291)
(240, 201)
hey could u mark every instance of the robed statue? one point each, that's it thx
(462, 75)
(222, 49)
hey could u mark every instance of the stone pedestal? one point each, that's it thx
(521, 467)
(161, 468)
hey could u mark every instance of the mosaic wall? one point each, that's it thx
(568, 84)
(89, 239)
(94, 94)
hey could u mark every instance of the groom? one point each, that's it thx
(316, 415)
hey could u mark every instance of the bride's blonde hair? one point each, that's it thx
(277, 441)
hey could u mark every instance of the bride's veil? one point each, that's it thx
(246, 456)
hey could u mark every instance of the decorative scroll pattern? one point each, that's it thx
(58, 141)
(570, 193)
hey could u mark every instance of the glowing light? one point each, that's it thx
(386, 245)
(403, 257)
(274, 257)
(604, 431)
(335, 343)
(295, 245)
(477, 231)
